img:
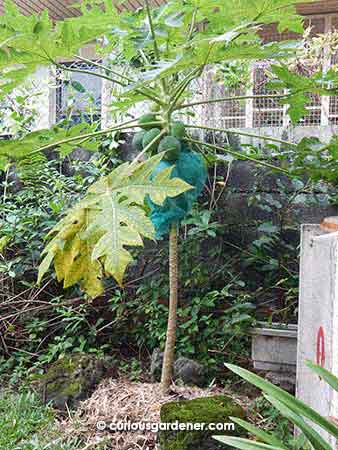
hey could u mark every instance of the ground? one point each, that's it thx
(113, 400)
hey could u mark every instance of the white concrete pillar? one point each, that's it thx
(45, 100)
(318, 320)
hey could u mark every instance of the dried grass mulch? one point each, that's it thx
(124, 400)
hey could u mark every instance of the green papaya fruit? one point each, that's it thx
(137, 140)
(145, 120)
(150, 136)
(155, 107)
(177, 129)
(171, 146)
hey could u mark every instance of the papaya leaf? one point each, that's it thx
(32, 41)
(300, 87)
(93, 239)
(17, 149)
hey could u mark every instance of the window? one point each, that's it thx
(78, 94)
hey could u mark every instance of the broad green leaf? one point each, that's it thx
(293, 403)
(314, 438)
(317, 159)
(299, 88)
(31, 143)
(4, 241)
(262, 435)
(3, 162)
(244, 444)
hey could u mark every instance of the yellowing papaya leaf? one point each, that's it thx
(4, 240)
(44, 265)
(93, 239)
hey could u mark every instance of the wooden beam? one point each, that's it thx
(60, 9)
(57, 10)
(321, 7)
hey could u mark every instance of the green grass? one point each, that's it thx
(27, 424)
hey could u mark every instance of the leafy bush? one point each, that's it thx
(25, 215)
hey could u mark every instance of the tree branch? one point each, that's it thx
(122, 126)
(229, 99)
(243, 133)
(146, 92)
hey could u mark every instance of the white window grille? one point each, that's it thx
(333, 105)
(333, 108)
(233, 113)
(86, 105)
(227, 114)
(265, 112)
(314, 116)
(317, 24)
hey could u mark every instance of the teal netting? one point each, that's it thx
(189, 167)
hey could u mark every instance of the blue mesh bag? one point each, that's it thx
(189, 167)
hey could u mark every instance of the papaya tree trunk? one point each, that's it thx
(169, 351)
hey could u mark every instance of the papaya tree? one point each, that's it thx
(164, 50)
